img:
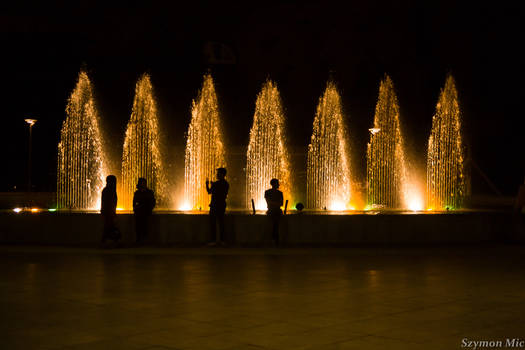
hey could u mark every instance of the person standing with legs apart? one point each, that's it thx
(143, 204)
(108, 209)
(274, 201)
(219, 192)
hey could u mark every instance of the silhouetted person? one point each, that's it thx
(274, 201)
(143, 204)
(108, 209)
(219, 192)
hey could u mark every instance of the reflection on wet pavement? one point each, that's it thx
(232, 298)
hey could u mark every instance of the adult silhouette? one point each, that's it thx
(274, 201)
(143, 204)
(108, 210)
(219, 192)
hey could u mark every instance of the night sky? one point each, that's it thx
(298, 44)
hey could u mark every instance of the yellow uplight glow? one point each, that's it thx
(337, 206)
(261, 204)
(415, 204)
(185, 207)
(120, 209)
(35, 210)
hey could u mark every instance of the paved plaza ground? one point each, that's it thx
(374, 297)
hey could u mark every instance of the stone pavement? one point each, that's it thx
(260, 298)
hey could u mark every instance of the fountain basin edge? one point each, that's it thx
(173, 228)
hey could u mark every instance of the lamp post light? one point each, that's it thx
(31, 122)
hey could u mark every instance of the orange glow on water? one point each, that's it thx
(81, 166)
(337, 206)
(328, 167)
(205, 149)
(267, 155)
(386, 168)
(141, 156)
(185, 207)
(415, 204)
(447, 179)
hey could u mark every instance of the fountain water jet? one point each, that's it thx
(446, 178)
(328, 171)
(267, 156)
(204, 148)
(141, 156)
(81, 161)
(386, 169)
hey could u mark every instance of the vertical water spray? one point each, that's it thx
(267, 155)
(386, 176)
(141, 156)
(204, 148)
(81, 162)
(446, 181)
(328, 171)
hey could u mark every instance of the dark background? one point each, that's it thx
(297, 44)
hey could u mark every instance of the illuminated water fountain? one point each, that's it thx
(141, 156)
(391, 183)
(267, 156)
(81, 163)
(386, 168)
(328, 172)
(446, 179)
(204, 147)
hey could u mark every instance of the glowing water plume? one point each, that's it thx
(81, 163)
(446, 180)
(267, 155)
(328, 171)
(141, 156)
(204, 147)
(386, 174)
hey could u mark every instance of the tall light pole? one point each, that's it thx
(31, 122)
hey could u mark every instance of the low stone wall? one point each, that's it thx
(10, 200)
(86, 228)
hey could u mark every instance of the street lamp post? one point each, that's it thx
(31, 122)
